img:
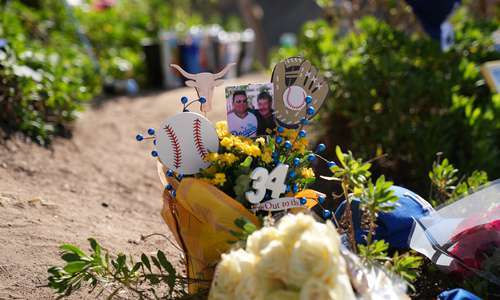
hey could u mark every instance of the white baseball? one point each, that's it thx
(294, 97)
(183, 141)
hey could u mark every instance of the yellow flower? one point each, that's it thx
(219, 179)
(290, 134)
(253, 150)
(261, 141)
(301, 145)
(211, 170)
(238, 144)
(267, 156)
(307, 173)
(222, 130)
(229, 158)
(227, 142)
(212, 157)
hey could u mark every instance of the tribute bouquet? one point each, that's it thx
(223, 192)
(220, 186)
(213, 178)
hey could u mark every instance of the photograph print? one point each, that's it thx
(250, 109)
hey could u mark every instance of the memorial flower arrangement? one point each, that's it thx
(216, 186)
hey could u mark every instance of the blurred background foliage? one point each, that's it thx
(47, 73)
(394, 91)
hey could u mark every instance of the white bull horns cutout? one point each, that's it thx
(299, 91)
(204, 83)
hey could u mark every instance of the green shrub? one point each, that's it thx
(45, 75)
(399, 94)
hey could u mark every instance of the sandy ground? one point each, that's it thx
(101, 183)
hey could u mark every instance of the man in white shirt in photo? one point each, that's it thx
(241, 121)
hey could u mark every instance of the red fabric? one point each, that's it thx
(474, 244)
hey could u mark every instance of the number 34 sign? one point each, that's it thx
(263, 181)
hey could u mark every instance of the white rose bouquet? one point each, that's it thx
(298, 259)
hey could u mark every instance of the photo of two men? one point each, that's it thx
(250, 110)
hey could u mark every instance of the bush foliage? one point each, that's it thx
(396, 93)
(45, 75)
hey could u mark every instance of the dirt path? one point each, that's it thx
(101, 183)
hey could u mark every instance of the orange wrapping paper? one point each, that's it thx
(201, 217)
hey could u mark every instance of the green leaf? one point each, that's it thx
(247, 162)
(120, 261)
(340, 156)
(95, 246)
(240, 222)
(249, 228)
(69, 257)
(406, 265)
(156, 262)
(75, 266)
(167, 266)
(73, 249)
(145, 261)
(136, 267)
(153, 279)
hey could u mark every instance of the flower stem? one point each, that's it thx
(348, 215)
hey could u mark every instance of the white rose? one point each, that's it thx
(229, 272)
(329, 233)
(319, 290)
(291, 227)
(273, 263)
(312, 257)
(248, 288)
(259, 240)
(283, 294)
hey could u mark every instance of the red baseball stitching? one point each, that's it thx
(176, 148)
(198, 140)
(294, 107)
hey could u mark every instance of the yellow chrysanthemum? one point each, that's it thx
(222, 129)
(267, 156)
(307, 173)
(229, 158)
(211, 170)
(252, 150)
(227, 142)
(212, 157)
(300, 145)
(290, 134)
(219, 179)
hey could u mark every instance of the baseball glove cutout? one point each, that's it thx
(294, 79)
